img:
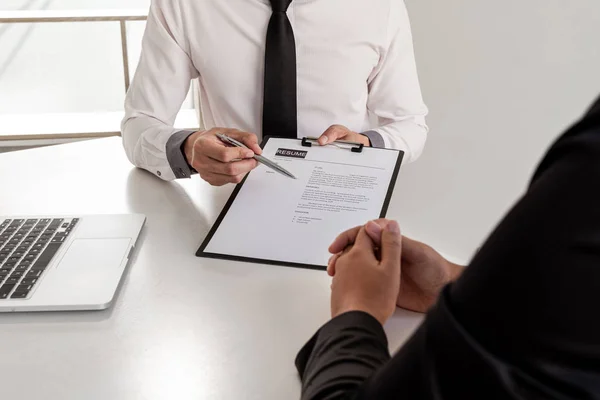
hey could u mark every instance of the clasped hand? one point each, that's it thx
(375, 268)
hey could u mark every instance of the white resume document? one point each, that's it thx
(273, 219)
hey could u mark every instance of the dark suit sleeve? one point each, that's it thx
(520, 323)
(341, 356)
(348, 359)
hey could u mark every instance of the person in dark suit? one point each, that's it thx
(520, 322)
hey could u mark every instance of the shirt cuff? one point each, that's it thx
(375, 138)
(176, 156)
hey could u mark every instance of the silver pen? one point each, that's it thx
(263, 160)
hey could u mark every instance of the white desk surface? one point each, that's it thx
(181, 327)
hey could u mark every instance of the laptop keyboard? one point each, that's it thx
(26, 248)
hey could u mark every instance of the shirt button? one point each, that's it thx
(158, 173)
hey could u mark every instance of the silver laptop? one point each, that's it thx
(64, 263)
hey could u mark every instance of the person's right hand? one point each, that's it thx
(367, 274)
(216, 162)
(424, 272)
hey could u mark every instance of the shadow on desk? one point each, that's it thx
(150, 195)
(168, 205)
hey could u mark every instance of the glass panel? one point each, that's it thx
(66, 67)
(61, 67)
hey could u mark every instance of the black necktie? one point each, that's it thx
(279, 106)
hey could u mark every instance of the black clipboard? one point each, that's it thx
(202, 253)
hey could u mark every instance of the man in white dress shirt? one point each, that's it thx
(341, 69)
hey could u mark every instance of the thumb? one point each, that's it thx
(332, 133)
(364, 243)
(374, 230)
(391, 244)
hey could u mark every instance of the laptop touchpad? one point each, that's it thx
(90, 261)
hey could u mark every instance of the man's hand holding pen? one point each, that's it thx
(216, 162)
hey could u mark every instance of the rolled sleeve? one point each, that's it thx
(158, 89)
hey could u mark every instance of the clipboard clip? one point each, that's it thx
(355, 147)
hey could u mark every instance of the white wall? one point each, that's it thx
(502, 79)
(65, 67)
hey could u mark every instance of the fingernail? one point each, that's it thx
(325, 139)
(373, 228)
(249, 154)
(393, 227)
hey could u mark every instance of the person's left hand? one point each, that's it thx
(336, 132)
